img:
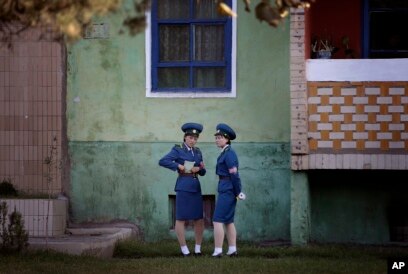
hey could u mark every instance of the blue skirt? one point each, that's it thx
(189, 205)
(225, 207)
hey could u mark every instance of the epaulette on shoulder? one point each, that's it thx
(196, 148)
(178, 146)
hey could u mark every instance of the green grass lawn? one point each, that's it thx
(163, 257)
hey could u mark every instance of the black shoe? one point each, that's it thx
(185, 255)
(197, 254)
(219, 255)
(233, 254)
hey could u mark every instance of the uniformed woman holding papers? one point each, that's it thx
(187, 160)
(229, 190)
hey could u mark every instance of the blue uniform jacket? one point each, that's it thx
(177, 155)
(228, 159)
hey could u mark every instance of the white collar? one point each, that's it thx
(188, 148)
(223, 149)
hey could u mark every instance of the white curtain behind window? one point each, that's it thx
(174, 44)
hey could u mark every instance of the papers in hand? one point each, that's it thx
(188, 165)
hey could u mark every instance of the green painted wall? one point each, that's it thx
(300, 209)
(117, 135)
(121, 180)
(357, 206)
(108, 78)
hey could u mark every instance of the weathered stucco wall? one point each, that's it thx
(121, 180)
(300, 222)
(117, 135)
(357, 206)
(107, 102)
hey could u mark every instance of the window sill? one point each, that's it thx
(357, 70)
(150, 94)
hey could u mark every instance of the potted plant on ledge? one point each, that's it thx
(322, 48)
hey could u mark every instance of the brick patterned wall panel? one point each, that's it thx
(349, 125)
(358, 118)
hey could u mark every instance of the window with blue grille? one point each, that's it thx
(191, 48)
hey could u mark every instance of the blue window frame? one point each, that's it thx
(385, 34)
(191, 47)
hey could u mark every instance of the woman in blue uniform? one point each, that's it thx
(187, 160)
(229, 189)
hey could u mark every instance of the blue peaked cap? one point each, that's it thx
(192, 128)
(226, 131)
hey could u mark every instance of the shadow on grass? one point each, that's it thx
(164, 257)
(136, 249)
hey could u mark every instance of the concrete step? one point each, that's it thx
(92, 241)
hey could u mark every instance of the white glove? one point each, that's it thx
(242, 196)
